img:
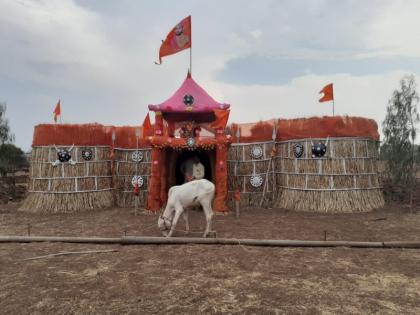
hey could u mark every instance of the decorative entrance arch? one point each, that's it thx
(159, 186)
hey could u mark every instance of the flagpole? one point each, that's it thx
(333, 106)
(191, 60)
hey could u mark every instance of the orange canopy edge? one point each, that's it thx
(286, 129)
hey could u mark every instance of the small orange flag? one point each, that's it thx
(179, 38)
(328, 93)
(57, 111)
(147, 125)
(222, 117)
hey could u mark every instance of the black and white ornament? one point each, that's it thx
(188, 100)
(63, 156)
(137, 179)
(256, 152)
(137, 156)
(298, 150)
(87, 154)
(319, 149)
(256, 181)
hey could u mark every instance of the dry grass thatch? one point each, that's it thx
(344, 178)
(66, 203)
(66, 187)
(125, 169)
(331, 201)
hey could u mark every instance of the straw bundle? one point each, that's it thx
(66, 187)
(345, 179)
(125, 170)
(242, 166)
(331, 201)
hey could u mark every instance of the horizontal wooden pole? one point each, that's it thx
(150, 240)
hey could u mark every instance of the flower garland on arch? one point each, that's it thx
(162, 142)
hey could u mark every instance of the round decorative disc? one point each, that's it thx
(188, 100)
(137, 156)
(190, 142)
(137, 179)
(298, 150)
(256, 180)
(319, 149)
(87, 154)
(63, 155)
(257, 152)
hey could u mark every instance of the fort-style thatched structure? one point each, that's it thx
(320, 164)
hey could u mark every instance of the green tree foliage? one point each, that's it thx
(5, 134)
(399, 128)
(11, 157)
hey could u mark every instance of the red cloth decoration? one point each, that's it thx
(328, 93)
(136, 189)
(237, 195)
(178, 39)
(222, 117)
(146, 126)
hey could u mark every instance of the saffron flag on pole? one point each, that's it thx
(179, 38)
(147, 125)
(222, 117)
(57, 111)
(328, 93)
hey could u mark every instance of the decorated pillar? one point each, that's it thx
(163, 177)
(153, 197)
(221, 181)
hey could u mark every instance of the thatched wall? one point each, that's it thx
(242, 166)
(125, 169)
(345, 179)
(64, 187)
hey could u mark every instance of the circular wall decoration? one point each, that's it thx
(256, 180)
(63, 155)
(87, 154)
(137, 179)
(298, 150)
(190, 142)
(319, 149)
(256, 152)
(188, 100)
(137, 156)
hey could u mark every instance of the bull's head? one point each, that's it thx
(164, 224)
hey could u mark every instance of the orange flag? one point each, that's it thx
(328, 93)
(222, 117)
(147, 125)
(57, 111)
(179, 38)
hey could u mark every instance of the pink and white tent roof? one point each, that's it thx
(189, 98)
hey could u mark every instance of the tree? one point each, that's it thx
(399, 128)
(5, 134)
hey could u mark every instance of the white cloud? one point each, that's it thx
(395, 29)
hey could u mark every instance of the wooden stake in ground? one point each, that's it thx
(237, 198)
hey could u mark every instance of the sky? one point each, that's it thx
(267, 58)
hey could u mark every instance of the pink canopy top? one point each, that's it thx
(189, 98)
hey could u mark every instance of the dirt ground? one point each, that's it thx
(199, 279)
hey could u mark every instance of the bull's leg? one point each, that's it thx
(208, 212)
(178, 211)
(187, 224)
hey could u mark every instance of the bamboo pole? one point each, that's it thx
(149, 240)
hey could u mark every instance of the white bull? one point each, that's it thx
(196, 192)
